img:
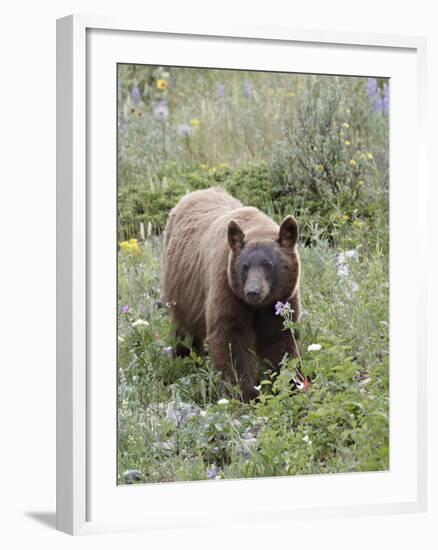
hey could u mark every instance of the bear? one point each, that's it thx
(224, 267)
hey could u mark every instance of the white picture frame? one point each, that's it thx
(85, 501)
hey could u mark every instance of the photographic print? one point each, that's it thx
(253, 274)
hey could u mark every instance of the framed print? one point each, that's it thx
(241, 327)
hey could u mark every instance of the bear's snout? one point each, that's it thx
(256, 287)
(253, 295)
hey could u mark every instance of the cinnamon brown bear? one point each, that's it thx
(224, 267)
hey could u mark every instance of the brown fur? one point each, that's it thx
(201, 276)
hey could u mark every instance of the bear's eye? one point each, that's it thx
(268, 265)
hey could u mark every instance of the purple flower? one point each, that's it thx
(380, 103)
(136, 95)
(385, 102)
(372, 89)
(185, 130)
(281, 309)
(212, 473)
(161, 110)
(121, 122)
(247, 90)
(220, 90)
(125, 308)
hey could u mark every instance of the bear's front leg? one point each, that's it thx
(230, 336)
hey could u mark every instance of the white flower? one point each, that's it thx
(307, 440)
(168, 351)
(203, 413)
(258, 388)
(314, 347)
(223, 402)
(140, 323)
(300, 385)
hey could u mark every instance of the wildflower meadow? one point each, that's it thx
(308, 145)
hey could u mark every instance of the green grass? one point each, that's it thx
(344, 414)
(303, 145)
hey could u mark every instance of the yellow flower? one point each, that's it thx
(223, 165)
(357, 223)
(369, 156)
(345, 218)
(130, 247)
(320, 167)
(212, 171)
(162, 84)
(194, 122)
(353, 162)
(203, 166)
(347, 143)
(360, 183)
(346, 125)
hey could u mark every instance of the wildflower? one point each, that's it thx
(203, 413)
(194, 122)
(258, 388)
(341, 132)
(360, 183)
(307, 385)
(307, 439)
(136, 95)
(161, 84)
(300, 385)
(140, 323)
(168, 351)
(346, 125)
(212, 472)
(353, 162)
(223, 401)
(357, 223)
(125, 308)
(320, 167)
(347, 143)
(385, 101)
(345, 218)
(130, 247)
(370, 156)
(247, 90)
(281, 309)
(161, 110)
(184, 130)
(220, 90)
(203, 166)
(314, 347)
(121, 123)
(379, 103)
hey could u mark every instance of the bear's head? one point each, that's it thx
(262, 271)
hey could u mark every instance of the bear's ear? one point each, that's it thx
(235, 235)
(288, 234)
